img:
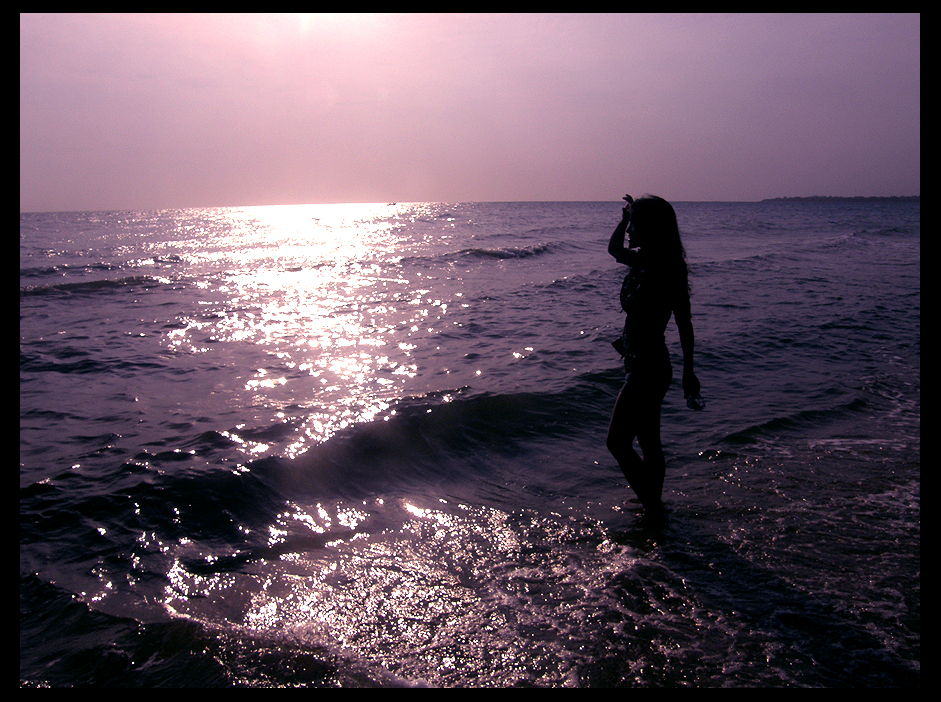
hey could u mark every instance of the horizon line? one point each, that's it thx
(463, 202)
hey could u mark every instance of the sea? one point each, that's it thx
(363, 445)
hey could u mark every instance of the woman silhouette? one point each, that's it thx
(655, 288)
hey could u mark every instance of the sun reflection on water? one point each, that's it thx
(318, 292)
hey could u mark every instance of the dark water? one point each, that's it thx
(364, 446)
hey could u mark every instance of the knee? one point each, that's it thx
(616, 442)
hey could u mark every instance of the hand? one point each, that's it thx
(627, 208)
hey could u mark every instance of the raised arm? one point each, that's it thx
(616, 244)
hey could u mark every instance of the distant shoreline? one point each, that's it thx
(857, 198)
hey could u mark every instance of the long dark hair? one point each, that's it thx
(658, 234)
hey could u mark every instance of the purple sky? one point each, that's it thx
(154, 111)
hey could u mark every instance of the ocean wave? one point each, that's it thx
(95, 287)
(508, 251)
(70, 360)
(481, 254)
(81, 269)
(62, 269)
(424, 441)
(419, 443)
(798, 422)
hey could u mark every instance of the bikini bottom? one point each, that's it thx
(647, 383)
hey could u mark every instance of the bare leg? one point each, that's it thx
(654, 461)
(637, 415)
(632, 419)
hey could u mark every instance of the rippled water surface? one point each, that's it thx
(363, 445)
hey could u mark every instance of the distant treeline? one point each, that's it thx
(858, 198)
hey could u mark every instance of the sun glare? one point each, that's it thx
(343, 22)
(305, 285)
